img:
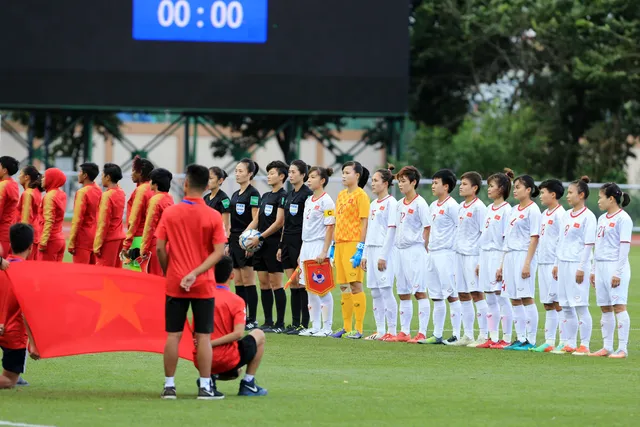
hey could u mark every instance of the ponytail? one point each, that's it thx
(387, 174)
(528, 182)
(35, 177)
(611, 189)
(583, 186)
(360, 170)
(252, 167)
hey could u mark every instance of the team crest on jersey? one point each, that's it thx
(469, 214)
(381, 208)
(576, 225)
(316, 208)
(293, 209)
(521, 217)
(612, 224)
(441, 212)
(497, 217)
(410, 211)
(268, 210)
(240, 208)
(318, 277)
(550, 222)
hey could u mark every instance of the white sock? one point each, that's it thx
(406, 314)
(468, 318)
(326, 305)
(314, 311)
(531, 311)
(248, 378)
(482, 309)
(378, 310)
(455, 310)
(608, 325)
(205, 383)
(424, 310)
(520, 322)
(570, 326)
(624, 323)
(439, 314)
(390, 310)
(169, 381)
(561, 323)
(586, 325)
(493, 316)
(506, 317)
(550, 326)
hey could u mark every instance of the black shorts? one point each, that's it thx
(291, 246)
(14, 360)
(247, 347)
(265, 259)
(237, 253)
(176, 309)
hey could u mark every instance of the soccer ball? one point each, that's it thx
(244, 240)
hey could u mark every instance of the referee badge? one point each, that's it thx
(293, 209)
(240, 208)
(268, 209)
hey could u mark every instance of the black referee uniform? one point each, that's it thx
(219, 202)
(241, 217)
(266, 260)
(290, 252)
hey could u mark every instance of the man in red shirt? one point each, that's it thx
(160, 184)
(15, 334)
(231, 349)
(195, 237)
(85, 211)
(109, 234)
(9, 195)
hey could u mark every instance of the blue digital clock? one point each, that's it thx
(223, 21)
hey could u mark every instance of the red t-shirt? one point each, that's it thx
(229, 311)
(191, 229)
(15, 334)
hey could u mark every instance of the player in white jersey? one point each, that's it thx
(378, 260)
(441, 259)
(551, 191)
(317, 233)
(519, 264)
(611, 272)
(491, 254)
(577, 238)
(471, 217)
(411, 238)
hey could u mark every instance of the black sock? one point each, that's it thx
(295, 306)
(242, 293)
(281, 306)
(252, 301)
(304, 306)
(267, 305)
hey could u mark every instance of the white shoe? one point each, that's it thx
(463, 342)
(322, 333)
(474, 344)
(309, 332)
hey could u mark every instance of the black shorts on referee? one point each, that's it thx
(290, 246)
(176, 309)
(237, 254)
(266, 259)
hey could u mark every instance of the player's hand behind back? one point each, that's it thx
(188, 281)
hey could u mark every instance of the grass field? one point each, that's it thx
(329, 382)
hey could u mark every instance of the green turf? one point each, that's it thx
(317, 382)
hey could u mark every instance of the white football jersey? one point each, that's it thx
(318, 213)
(495, 227)
(382, 215)
(524, 223)
(411, 220)
(444, 222)
(578, 230)
(470, 223)
(612, 230)
(549, 234)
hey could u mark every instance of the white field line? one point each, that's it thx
(9, 423)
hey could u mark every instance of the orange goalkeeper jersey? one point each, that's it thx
(350, 209)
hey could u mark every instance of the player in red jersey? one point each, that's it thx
(109, 235)
(85, 212)
(9, 195)
(15, 334)
(231, 348)
(196, 238)
(137, 209)
(52, 209)
(160, 184)
(29, 204)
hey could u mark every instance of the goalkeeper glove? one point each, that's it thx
(357, 257)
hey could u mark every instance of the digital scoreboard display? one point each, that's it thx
(250, 56)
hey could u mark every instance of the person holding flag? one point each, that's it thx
(109, 235)
(160, 185)
(9, 195)
(137, 210)
(52, 209)
(85, 211)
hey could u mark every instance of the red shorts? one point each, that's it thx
(54, 251)
(84, 256)
(110, 254)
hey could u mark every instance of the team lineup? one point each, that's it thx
(482, 260)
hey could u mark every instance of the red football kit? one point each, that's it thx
(29, 213)
(109, 234)
(52, 209)
(157, 205)
(83, 224)
(9, 194)
(137, 212)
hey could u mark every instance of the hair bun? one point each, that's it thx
(329, 171)
(585, 179)
(509, 173)
(390, 166)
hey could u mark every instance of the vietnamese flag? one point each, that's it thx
(79, 309)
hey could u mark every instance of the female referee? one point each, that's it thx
(218, 199)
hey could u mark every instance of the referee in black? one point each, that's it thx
(291, 242)
(216, 198)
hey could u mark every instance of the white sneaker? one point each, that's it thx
(463, 342)
(322, 333)
(309, 332)
(474, 344)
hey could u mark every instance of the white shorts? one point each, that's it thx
(375, 278)
(514, 286)
(441, 281)
(410, 266)
(309, 250)
(547, 285)
(605, 294)
(570, 293)
(489, 262)
(466, 279)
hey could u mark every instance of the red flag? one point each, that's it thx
(318, 277)
(79, 309)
